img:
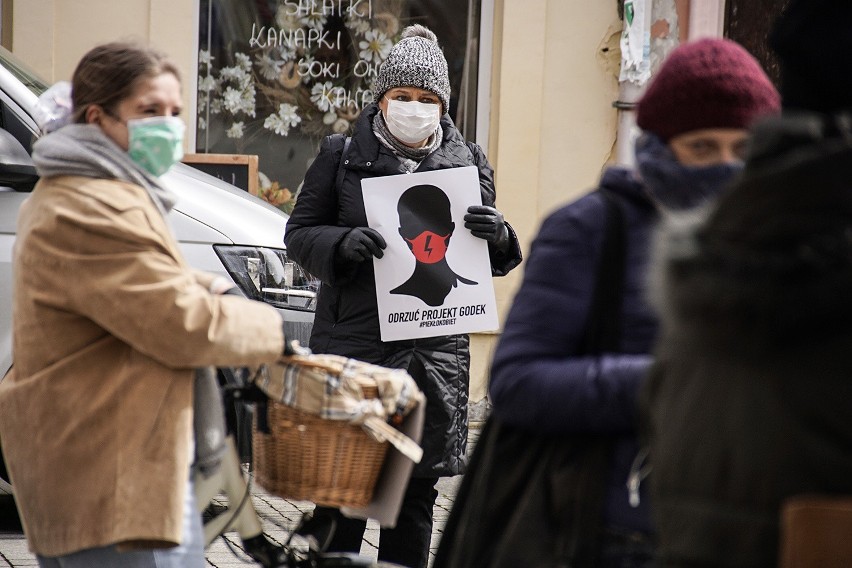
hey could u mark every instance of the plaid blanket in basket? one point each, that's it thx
(331, 387)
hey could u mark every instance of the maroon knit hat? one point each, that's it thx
(707, 83)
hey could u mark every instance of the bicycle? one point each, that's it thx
(241, 516)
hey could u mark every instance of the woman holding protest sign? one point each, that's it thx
(406, 130)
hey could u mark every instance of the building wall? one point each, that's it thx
(553, 83)
(52, 35)
(553, 124)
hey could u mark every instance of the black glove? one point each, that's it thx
(360, 244)
(487, 223)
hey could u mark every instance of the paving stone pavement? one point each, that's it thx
(278, 515)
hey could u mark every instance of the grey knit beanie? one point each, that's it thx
(415, 61)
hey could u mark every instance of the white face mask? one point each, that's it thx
(412, 121)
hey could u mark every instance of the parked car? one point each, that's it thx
(220, 228)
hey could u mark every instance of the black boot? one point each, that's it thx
(264, 551)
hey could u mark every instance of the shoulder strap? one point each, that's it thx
(603, 334)
(470, 148)
(341, 171)
(603, 328)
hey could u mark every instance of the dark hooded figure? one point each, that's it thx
(426, 225)
(748, 403)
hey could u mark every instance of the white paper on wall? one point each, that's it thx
(636, 42)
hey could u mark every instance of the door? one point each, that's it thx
(746, 22)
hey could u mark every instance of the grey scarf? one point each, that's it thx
(410, 157)
(84, 150)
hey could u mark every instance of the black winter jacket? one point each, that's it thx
(749, 401)
(346, 321)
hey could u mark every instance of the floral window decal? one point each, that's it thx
(276, 76)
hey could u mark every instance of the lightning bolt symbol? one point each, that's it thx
(426, 246)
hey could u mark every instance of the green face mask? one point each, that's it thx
(155, 143)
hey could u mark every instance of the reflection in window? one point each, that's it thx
(276, 76)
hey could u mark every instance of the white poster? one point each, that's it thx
(435, 276)
(636, 42)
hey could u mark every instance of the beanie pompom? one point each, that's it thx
(707, 83)
(417, 30)
(415, 61)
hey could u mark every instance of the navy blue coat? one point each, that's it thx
(538, 382)
(347, 320)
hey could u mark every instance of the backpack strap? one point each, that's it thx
(341, 171)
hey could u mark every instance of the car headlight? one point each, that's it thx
(266, 274)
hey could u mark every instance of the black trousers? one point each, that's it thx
(408, 542)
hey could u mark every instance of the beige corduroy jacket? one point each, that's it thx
(109, 323)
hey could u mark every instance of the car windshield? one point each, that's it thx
(23, 73)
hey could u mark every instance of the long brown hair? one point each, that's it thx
(108, 73)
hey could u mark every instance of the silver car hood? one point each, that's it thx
(238, 217)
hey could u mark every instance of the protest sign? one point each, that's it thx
(435, 276)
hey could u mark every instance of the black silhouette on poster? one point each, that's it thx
(426, 225)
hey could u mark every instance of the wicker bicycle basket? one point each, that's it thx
(305, 457)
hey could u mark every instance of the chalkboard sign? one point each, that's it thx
(237, 169)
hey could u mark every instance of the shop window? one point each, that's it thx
(276, 76)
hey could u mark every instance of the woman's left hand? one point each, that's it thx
(487, 223)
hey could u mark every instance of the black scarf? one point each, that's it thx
(675, 186)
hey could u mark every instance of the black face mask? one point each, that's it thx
(675, 186)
